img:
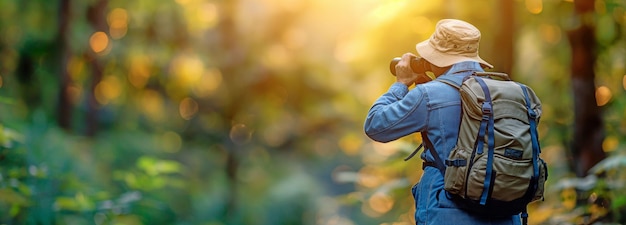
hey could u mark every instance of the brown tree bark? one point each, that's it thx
(64, 106)
(586, 149)
(96, 15)
(228, 45)
(503, 51)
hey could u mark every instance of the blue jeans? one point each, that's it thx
(433, 206)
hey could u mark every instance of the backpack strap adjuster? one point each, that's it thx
(456, 162)
(487, 108)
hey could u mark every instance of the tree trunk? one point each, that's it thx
(64, 107)
(586, 149)
(96, 15)
(229, 46)
(503, 51)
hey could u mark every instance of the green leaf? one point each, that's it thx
(10, 196)
(618, 202)
(5, 100)
(154, 166)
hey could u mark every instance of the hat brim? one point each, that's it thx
(442, 59)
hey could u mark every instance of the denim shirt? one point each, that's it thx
(435, 108)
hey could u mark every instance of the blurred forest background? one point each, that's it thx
(251, 111)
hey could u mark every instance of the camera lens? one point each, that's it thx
(417, 65)
(392, 65)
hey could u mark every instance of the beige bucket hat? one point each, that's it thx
(453, 41)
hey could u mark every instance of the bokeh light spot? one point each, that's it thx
(534, 6)
(603, 95)
(188, 108)
(208, 83)
(118, 23)
(139, 73)
(188, 69)
(350, 144)
(381, 202)
(207, 16)
(108, 89)
(610, 144)
(240, 134)
(99, 42)
(369, 177)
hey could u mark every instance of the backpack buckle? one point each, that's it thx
(487, 109)
(532, 114)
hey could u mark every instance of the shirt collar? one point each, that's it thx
(466, 66)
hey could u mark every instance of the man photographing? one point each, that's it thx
(432, 109)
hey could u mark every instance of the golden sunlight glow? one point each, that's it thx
(421, 25)
(208, 83)
(610, 143)
(534, 6)
(99, 42)
(199, 15)
(624, 82)
(349, 48)
(139, 73)
(188, 69)
(118, 23)
(276, 56)
(294, 38)
(207, 15)
(381, 202)
(107, 90)
(188, 108)
(289, 5)
(603, 95)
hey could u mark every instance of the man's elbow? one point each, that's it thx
(376, 135)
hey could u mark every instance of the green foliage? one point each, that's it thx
(251, 112)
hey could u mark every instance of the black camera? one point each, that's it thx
(418, 65)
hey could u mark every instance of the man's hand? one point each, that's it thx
(404, 73)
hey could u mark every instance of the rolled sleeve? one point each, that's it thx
(399, 90)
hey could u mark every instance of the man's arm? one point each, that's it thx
(396, 113)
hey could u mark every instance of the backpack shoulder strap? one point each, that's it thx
(502, 76)
(438, 162)
(429, 146)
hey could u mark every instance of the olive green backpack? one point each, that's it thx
(495, 168)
